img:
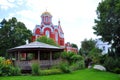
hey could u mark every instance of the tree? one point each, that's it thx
(71, 57)
(108, 23)
(12, 34)
(74, 45)
(95, 55)
(46, 40)
(87, 46)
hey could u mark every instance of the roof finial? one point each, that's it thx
(59, 21)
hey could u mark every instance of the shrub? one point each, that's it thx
(81, 64)
(71, 57)
(7, 69)
(35, 68)
(65, 67)
(112, 64)
(68, 56)
(50, 72)
(116, 70)
(76, 58)
(77, 65)
(74, 67)
(74, 61)
(15, 71)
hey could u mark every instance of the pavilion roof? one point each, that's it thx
(36, 46)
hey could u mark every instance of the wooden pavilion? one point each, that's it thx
(44, 54)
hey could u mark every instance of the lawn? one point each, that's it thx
(87, 74)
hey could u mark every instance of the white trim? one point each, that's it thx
(59, 33)
(47, 27)
(36, 28)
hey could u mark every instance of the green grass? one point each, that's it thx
(87, 74)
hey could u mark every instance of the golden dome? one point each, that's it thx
(46, 13)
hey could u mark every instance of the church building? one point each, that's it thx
(47, 28)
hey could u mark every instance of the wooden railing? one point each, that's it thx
(26, 65)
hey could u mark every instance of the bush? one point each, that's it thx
(76, 58)
(74, 67)
(15, 71)
(74, 61)
(65, 67)
(7, 69)
(71, 57)
(116, 70)
(50, 72)
(78, 65)
(68, 56)
(35, 68)
(81, 64)
(112, 64)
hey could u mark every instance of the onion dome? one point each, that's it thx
(46, 13)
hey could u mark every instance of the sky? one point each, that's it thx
(76, 16)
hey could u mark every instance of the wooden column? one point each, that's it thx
(17, 62)
(50, 58)
(18, 56)
(39, 58)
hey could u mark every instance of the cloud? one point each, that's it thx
(4, 4)
(29, 24)
(11, 1)
(22, 18)
(29, 16)
(20, 2)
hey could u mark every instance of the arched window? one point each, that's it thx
(56, 37)
(47, 33)
(46, 19)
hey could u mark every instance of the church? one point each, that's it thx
(47, 28)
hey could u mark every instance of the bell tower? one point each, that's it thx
(46, 18)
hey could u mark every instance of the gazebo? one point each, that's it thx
(44, 54)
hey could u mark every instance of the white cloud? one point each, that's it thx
(4, 7)
(5, 4)
(20, 2)
(29, 24)
(11, 1)
(29, 17)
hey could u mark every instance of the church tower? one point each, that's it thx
(46, 18)
(46, 28)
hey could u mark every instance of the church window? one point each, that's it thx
(46, 19)
(47, 33)
(56, 37)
